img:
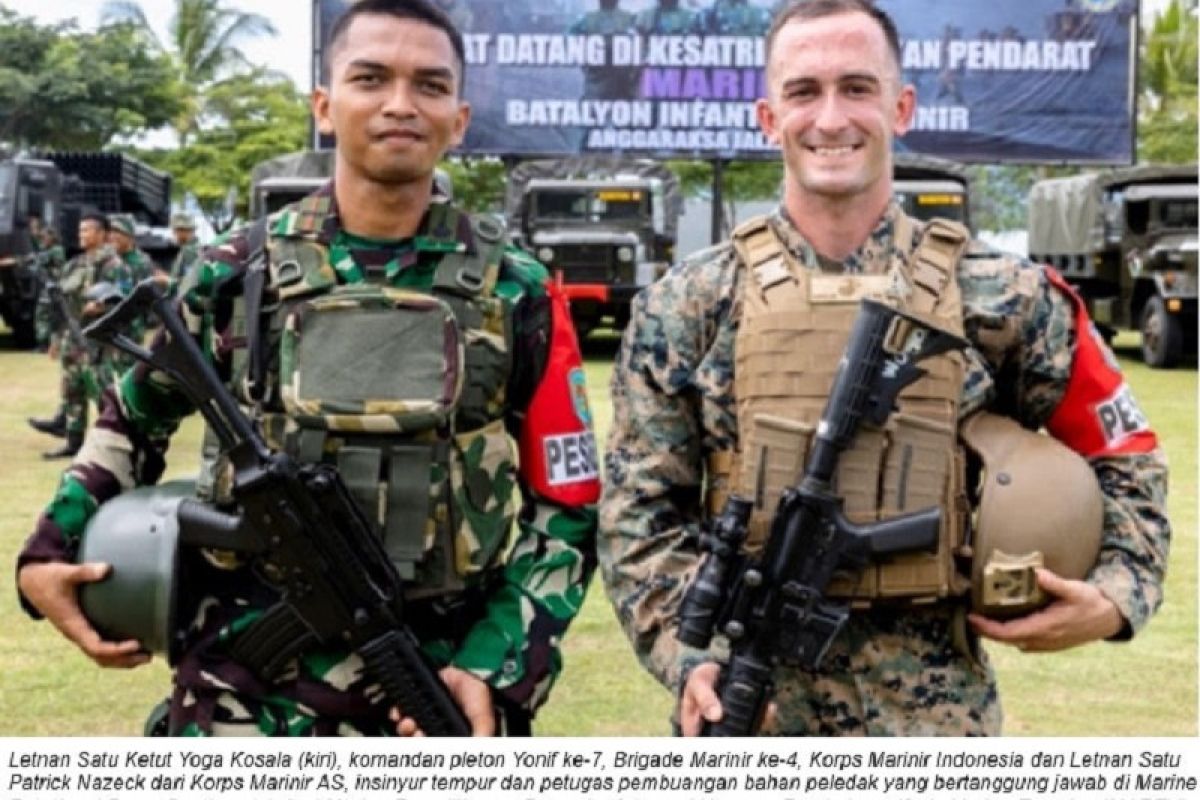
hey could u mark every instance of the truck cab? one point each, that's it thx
(603, 230)
(928, 187)
(1126, 239)
(29, 187)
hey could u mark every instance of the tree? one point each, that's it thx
(203, 49)
(1167, 122)
(251, 117)
(61, 88)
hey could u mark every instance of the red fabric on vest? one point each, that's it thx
(559, 459)
(1097, 415)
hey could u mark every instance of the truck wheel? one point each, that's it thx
(1162, 335)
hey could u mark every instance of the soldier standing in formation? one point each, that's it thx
(80, 376)
(696, 365)
(183, 227)
(605, 82)
(500, 556)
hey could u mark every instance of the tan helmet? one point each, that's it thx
(1039, 506)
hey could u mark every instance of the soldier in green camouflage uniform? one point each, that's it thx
(894, 669)
(183, 226)
(50, 258)
(666, 19)
(81, 378)
(494, 609)
(733, 18)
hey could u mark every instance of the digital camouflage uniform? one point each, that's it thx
(185, 259)
(891, 670)
(83, 380)
(665, 21)
(504, 627)
(733, 18)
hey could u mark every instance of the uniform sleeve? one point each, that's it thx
(127, 445)
(1056, 372)
(651, 508)
(515, 646)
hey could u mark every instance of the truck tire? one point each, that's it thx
(1162, 335)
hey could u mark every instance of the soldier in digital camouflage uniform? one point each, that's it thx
(666, 19)
(733, 18)
(490, 599)
(81, 378)
(122, 238)
(834, 103)
(50, 258)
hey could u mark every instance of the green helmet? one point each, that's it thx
(138, 534)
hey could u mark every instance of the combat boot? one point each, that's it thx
(56, 426)
(69, 449)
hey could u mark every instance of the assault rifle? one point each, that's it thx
(337, 585)
(774, 607)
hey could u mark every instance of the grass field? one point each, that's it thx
(1143, 688)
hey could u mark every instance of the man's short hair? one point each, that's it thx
(101, 220)
(419, 10)
(816, 9)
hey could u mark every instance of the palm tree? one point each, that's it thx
(204, 38)
(1169, 65)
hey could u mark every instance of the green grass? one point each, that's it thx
(1143, 688)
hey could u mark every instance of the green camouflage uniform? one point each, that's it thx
(504, 627)
(891, 670)
(733, 18)
(50, 262)
(185, 259)
(83, 380)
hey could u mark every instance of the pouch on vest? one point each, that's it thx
(371, 359)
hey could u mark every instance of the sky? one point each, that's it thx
(289, 52)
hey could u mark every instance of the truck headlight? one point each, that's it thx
(625, 254)
(545, 255)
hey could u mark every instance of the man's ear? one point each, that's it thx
(906, 109)
(461, 122)
(320, 110)
(766, 119)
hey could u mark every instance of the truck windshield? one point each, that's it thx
(1178, 214)
(601, 205)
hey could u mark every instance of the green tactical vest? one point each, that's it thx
(402, 390)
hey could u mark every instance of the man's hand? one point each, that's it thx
(52, 589)
(473, 697)
(699, 702)
(1079, 613)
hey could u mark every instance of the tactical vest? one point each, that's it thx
(403, 390)
(794, 325)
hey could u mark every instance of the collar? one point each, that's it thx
(873, 257)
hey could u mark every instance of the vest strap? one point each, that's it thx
(934, 262)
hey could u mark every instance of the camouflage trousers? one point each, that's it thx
(892, 673)
(83, 382)
(223, 713)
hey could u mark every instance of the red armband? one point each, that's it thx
(559, 459)
(1098, 415)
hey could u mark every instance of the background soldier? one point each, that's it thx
(835, 102)
(183, 227)
(122, 237)
(80, 376)
(490, 599)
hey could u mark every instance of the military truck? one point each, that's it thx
(1126, 240)
(928, 187)
(59, 188)
(604, 227)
